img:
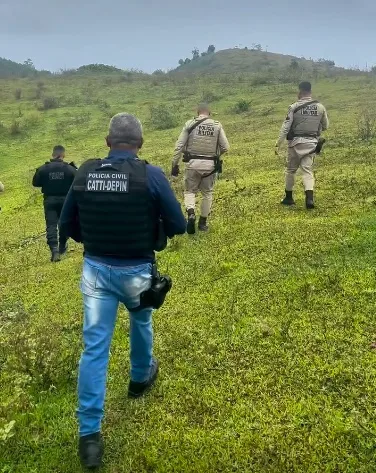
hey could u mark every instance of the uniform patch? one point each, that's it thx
(107, 182)
(53, 176)
(310, 110)
(205, 130)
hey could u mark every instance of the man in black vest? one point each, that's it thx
(115, 207)
(55, 178)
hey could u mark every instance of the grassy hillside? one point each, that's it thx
(247, 60)
(14, 69)
(264, 342)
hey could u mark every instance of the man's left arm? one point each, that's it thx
(286, 127)
(168, 205)
(69, 224)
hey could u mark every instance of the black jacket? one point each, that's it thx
(55, 177)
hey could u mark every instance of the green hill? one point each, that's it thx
(246, 60)
(14, 69)
(264, 341)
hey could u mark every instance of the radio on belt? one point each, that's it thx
(107, 182)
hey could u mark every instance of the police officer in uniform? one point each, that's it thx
(201, 142)
(114, 207)
(55, 178)
(305, 121)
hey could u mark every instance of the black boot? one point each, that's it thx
(288, 200)
(55, 255)
(90, 450)
(202, 226)
(136, 390)
(191, 226)
(309, 200)
(63, 248)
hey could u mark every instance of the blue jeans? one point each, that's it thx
(103, 287)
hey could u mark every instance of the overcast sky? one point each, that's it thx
(149, 35)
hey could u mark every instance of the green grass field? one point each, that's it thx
(265, 340)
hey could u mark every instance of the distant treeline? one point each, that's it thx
(27, 69)
(14, 69)
(270, 69)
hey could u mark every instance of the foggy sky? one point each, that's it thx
(155, 34)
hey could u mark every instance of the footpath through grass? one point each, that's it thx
(264, 342)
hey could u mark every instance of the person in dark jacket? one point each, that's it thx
(115, 207)
(55, 178)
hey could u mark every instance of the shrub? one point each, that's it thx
(326, 62)
(242, 106)
(209, 97)
(31, 353)
(98, 68)
(39, 90)
(105, 108)
(127, 77)
(162, 117)
(259, 80)
(18, 94)
(15, 127)
(367, 125)
(294, 64)
(32, 119)
(49, 103)
(38, 93)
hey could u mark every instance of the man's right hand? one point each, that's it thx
(175, 171)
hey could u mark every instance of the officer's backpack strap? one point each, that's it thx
(300, 107)
(186, 155)
(196, 124)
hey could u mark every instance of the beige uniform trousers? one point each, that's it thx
(1, 187)
(299, 157)
(196, 181)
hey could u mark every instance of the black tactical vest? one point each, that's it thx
(56, 178)
(116, 211)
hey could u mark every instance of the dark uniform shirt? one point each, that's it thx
(55, 178)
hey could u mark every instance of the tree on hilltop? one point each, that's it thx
(195, 53)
